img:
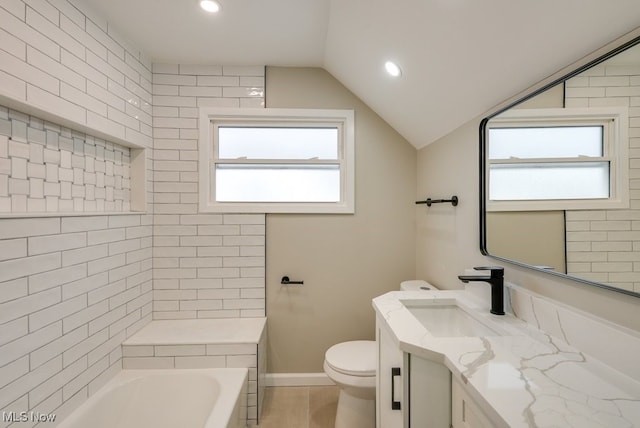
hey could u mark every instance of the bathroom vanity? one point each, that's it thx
(444, 360)
(410, 389)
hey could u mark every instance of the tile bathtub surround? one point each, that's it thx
(72, 289)
(205, 265)
(48, 168)
(209, 266)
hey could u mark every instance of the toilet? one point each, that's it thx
(352, 366)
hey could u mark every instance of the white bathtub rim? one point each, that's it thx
(232, 381)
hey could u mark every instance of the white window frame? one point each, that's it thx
(615, 122)
(212, 117)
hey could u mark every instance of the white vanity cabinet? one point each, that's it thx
(465, 413)
(389, 375)
(429, 394)
(412, 392)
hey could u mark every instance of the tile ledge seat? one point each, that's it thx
(199, 331)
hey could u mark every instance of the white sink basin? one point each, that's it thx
(448, 320)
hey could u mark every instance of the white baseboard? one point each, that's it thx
(297, 379)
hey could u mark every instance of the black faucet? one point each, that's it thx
(496, 279)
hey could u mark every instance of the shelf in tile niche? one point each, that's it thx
(47, 170)
(69, 214)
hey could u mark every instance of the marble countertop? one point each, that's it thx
(523, 377)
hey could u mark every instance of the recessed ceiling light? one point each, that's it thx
(393, 69)
(210, 5)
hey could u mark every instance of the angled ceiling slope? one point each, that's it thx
(459, 57)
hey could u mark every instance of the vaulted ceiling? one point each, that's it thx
(459, 58)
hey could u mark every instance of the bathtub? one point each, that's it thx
(202, 398)
(204, 343)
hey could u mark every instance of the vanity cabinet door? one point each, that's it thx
(465, 413)
(389, 378)
(429, 394)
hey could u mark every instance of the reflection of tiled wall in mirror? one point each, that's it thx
(604, 245)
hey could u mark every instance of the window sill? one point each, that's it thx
(278, 208)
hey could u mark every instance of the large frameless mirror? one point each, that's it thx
(560, 175)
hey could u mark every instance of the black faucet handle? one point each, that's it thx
(496, 271)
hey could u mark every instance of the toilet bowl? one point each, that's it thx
(352, 366)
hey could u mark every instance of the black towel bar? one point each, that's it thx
(286, 281)
(429, 201)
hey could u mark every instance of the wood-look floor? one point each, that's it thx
(299, 407)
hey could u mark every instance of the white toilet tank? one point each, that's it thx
(416, 285)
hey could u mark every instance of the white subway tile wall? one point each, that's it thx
(72, 289)
(48, 168)
(205, 265)
(604, 245)
(57, 59)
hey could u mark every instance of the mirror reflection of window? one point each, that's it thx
(561, 175)
(547, 162)
(558, 158)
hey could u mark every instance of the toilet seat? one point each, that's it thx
(355, 358)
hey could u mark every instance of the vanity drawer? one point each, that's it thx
(465, 413)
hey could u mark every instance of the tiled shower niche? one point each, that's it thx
(47, 169)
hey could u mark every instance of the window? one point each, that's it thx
(276, 160)
(558, 159)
